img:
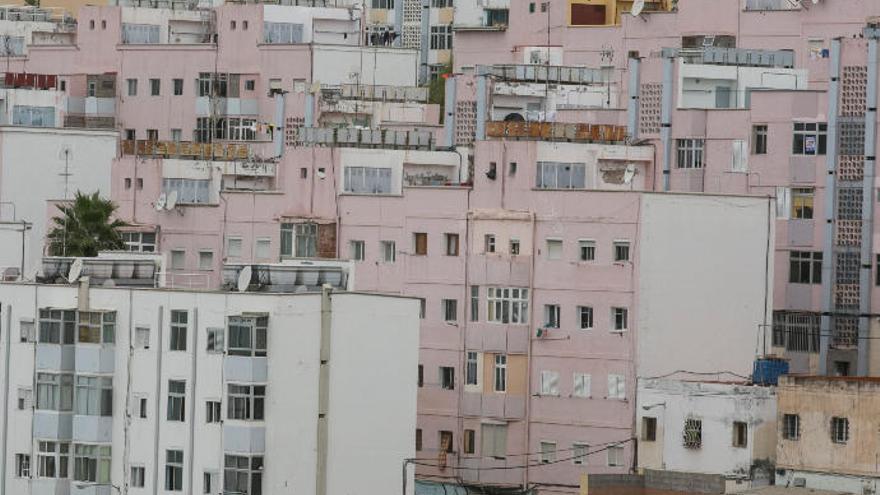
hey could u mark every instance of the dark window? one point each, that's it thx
(759, 139)
(469, 441)
(447, 377)
(839, 430)
(446, 441)
(421, 376)
(649, 429)
(740, 434)
(420, 240)
(587, 15)
(418, 439)
(805, 267)
(791, 427)
(178, 87)
(809, 138)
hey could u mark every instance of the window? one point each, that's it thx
(549, 383)
(103, 24)
(243, 475)
(450, 310)
(284, 33)
(791, 427)
(142, 407)
(208, 482)
(615, 456)
(489, 243)
(551, 315)
(556, 175)
(174, 470)
(140, 33)
(215, 340)
(178, 259)
(582, 386)
(383, 4)
(178, 329)
(805, 267)
(178, 86)
(52, 459)
(94, 395)
(91, 463)
(250, 85)
(248, 335)
(507, 305)
(759, 139)
(440, 4)
(548, 452)
(494, 440)
(621, 251)
(740, 434)
(441, 37)
(206, 260)
(619, 317)
(233, 247)
(176, 400)
(421, 379)
(54, 392)
(155, 85)
(579, 453)
(263, 248)
(189, 191)
(471, 370)
(587, 250)
(802, 202)
(554, 249)
(25, 398)
(299, 240)
(692, 435)
(420, 242)
(389, 251)
(137, 476)
(33, 116)
(809, 138)
(512, 169)
(649, 429)
(418, 439)
(23, 465)
(796, 331)
(501, 373)
(245, 402)
(469, 441)
(232, 25)
(514, 247)
(132, 86)
(356, 250)
(128, 182)
(451, 241)
(585, 317)
(423, 307)
(96, 327)
(130, 134)
(690, 153)
(447, 377)
(839, 430)
(446, 441)
(367, 180)
(616, 387)
(475, 303)
(139, 242)
(57, 326)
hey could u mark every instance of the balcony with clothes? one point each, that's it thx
(31, 100)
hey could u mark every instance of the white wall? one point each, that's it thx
(718, 406)
(697, 82)
(377, 66)
(31, 168)
(321, 25)
(702, 280)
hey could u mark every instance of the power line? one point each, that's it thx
(522, 455)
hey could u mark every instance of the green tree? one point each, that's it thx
(437, 89)
(85, 227)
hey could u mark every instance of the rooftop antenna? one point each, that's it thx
(75, 270)
(244, 278)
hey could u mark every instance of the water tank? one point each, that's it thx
(767, 370)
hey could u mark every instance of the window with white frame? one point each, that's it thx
(507, 305)
(554, 249)
(356, 250)
(471, 370)
(809, 138)
(132, 85)
(548, 452)
(94, 395)
(389, 251)
(500, 373)
(550, 383)
(690, 153)
(556, 175)
(214, 343)
(450, 310)
(173, 470)
(489, 243)
(55, 391)
(367, 180)
(53, 459)
(791, 427)
(189, 191)
(551, 315)
(582, 386)
(586, 250)
(176, 410)
(243, 475)
(579, 453)
(619, 319)
(138, 474)
(585, 317)
(441, 37)
(179, 319)
(494, 440)
(206, 260)
(514, 247)
(282, 33)
(57, 326)
(759, 139)
(245, 402)
(475, 303)
(247, 335)
(615, 456)
(139, 242)
(91, 463)
(839, 430)
(23, 465)
(96, 327)
(233, 247)
(263, 249)
(299, 239)
(621, 251)
(616, 387)
(212, 411)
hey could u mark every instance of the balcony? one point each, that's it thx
(186, 150)
(365, 138)
(501, 406)
(716, 55)
(553, 74)
(551, 131)
(771, 5)
(207, 106)
(90, 112)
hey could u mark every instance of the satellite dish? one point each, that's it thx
(160, 203)
(75, 270)
(815, 2)
(244, 279)
(171, 200)
(629, 173)
(637, 8)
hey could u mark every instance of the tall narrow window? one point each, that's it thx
(587, 250)
(551, 315)
(619, 319)
(501, 373)
(802, 202)
(451, 241)
(740, 434)
(791, 427)
(155, 85)
(585, 317)
(447, 377)
(174, 470)
(450, 310)
(759, 139)
(389, 251)
(178, 330)
(475, 303)
(420, 243)
(649, 429)
(471, 371)
(470, 441)
(489, 243)
(176, 400)
(839, 430)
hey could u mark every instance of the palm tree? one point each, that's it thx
(85, 227)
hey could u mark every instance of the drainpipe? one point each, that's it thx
(278, 133)
(323, 391)
(482, 84)
(6, 411)
(632, 111)
(425, 43)
(868, 204)
(825, 328)
(449, 112)
(666, 113)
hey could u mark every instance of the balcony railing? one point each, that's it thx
(365, 138)
(764, 5)
(547, 73)
(738, 56)
(186, 149)
(552, 131)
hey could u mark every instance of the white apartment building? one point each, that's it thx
(124, 390)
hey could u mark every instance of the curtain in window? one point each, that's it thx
(140, 34)
(282, 33)
(189, 191)
(33, 116)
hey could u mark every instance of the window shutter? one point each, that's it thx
(783, 202)
(740, 156)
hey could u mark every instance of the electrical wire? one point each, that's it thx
(525, 454)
